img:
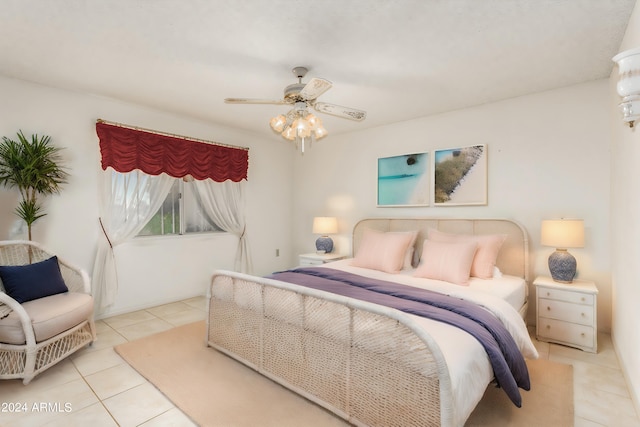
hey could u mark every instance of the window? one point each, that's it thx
(180, 213)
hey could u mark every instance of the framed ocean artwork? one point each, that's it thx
(403, 180)
(460, 176)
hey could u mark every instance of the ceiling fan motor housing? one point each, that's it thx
(292, 92)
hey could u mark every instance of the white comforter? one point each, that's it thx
(468, 363)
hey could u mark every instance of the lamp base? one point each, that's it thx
(562, 266)
(324, 244)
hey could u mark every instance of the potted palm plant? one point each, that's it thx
(31, 165)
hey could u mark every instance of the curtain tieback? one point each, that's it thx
(105, 232)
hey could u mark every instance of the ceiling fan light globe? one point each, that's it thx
(314, 122)
(302, 128)
(277, 123)
(304, 134)
(320, 132)
(289, 133)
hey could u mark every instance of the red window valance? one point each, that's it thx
(125, 149)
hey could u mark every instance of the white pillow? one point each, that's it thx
(383, 251)
(447, 261)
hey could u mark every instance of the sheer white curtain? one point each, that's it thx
(223, 203)
(127, 201)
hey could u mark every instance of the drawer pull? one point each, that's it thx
(548, 293)
(548, 308)
(582, 299)
(582, 314)
(548, 326)
(582, 335)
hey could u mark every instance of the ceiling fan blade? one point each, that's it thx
(337, 110)
(254, 101)
(315, 88)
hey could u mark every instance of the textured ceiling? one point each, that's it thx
(397, 59)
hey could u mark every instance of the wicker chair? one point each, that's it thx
(37, 334)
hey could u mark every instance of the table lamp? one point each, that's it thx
(324, 225)
(562, 234)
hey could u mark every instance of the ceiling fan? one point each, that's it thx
(298, 124)
(307, 93)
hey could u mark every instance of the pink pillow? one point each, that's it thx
(408, 256)
(488, 247)
(383, 251)
(447, 261)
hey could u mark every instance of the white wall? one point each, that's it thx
(625, 228)
(161, 269)
(548, 157)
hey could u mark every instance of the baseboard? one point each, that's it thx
(633, 393)
(143, 306)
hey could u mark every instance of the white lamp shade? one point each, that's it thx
(563, 233)
(628, 72)
(325, 225)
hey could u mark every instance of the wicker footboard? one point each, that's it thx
(368, 364)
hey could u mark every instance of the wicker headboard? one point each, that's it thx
(513, 258)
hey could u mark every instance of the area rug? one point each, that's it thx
(216, 391)
(548, 404)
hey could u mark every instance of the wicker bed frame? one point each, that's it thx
(371, 365)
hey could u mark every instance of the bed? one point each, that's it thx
(372, 364)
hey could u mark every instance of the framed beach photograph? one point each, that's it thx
(460, 176)
(403, 180)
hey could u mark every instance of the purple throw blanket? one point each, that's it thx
(508, 364)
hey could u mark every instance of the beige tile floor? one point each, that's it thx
(600, 394)
(95, 387)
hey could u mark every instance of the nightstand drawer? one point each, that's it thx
(565, 311)
(568, 296)
(569, 333)
(306, 262)
(311, 259)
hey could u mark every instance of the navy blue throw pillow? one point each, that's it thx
(32, 281)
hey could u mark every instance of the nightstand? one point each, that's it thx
(567, 313)
(306, 260)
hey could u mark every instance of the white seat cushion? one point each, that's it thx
(49, 317)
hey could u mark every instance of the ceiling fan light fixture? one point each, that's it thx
(299, 125)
